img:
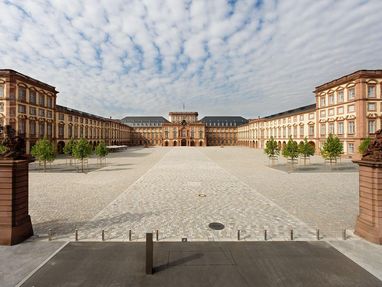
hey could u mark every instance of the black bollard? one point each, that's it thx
(265, 235)
(318, 234)
(291, 234)
(149, 253)
(76, 234)
(103, 235)
(238, 235)
(130, 235)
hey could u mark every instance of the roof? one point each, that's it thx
(10, 72)
(224, 120)
(293, 111)
(349, 77)
(144, 121)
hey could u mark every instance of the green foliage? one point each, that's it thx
(332, 148)
(101, 150)
(43, 151)
(81, 150)
(3, 149)
(364, 145)
(291, 149)
(271, 148)
(68, 148)
(305, 149)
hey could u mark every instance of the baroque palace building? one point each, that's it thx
(349, 107)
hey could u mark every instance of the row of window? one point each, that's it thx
(330, 128)
(22, 109)
(340, 111)
(338, 97)
(34, 97)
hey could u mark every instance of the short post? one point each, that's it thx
(238, 235)
(157, 235)
(265, 235)
(103, 235)
(291, 234)
(130, 235)
(149, 253)
(344, 234)
(76, 234)
(50, 234)
(318, 234)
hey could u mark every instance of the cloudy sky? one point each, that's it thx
(218, 57)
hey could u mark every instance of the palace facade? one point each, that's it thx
(349, 107)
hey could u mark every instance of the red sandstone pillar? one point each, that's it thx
(15, 222)
(369, 220)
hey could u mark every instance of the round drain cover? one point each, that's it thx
(216, 226)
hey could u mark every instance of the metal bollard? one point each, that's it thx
(103, 235)
(291, 234)
(265, 235)
(238, 235)
(50, 234)
(149, 253)
(157, 235)
(318, 234)
(344, 234)
(76, 234)
(130, 235)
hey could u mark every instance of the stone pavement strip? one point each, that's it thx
(185, 192)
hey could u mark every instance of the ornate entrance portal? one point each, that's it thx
(184, 142)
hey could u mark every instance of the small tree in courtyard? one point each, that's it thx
(81, 150)
(291, 150)
(364, 145)
(43, 150)
(3, 149)
(101, 150)
(332, 148)
(68, 149)
(272, 148)
(305, 149)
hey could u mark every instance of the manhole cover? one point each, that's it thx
(202, 195)
(216, 226)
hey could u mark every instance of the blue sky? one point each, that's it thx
(218, 57)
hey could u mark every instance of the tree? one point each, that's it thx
(43, 150)
(3, 149)
(82, 150)
(291, 149)
(101, 150)
(305, 149)
(364, 145)
(68, 149)
(332, 148)
(272, 148)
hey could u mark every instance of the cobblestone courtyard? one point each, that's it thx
(179, 191)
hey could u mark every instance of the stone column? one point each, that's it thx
(15, 222)
(369, 220)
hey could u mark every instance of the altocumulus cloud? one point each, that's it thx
(218, 57)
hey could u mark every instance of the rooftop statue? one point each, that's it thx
(374, 150)
(15, 145)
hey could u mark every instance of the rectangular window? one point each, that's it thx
(311, 116)
(21, 127)
(340, 110)
(32, 111)
(295, 132)
(331, 128)
(311, 130)
(371, 126)
(70, 118)
(61, 131)
(301, 117)
(322, 114)
(295, 119)
(32, 128)
(61, 116)
(70, 131)
(1, 107)
(50, 102)
(351, 127)
(331, 99)
(331, 112)
(340, 128)
(32, 96)
(41, 100)
(323, 129)
(284, 132)
(351, 94)
(371, 91)
(49, 129)
(371, 107)
(350, 148)
(22, 94)
(301, 131)
(49, 114)
(1, 91)
(322, 102)
(351, 109)
(41, 113)
(340, 96)
(41, 128)
(22, 109)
